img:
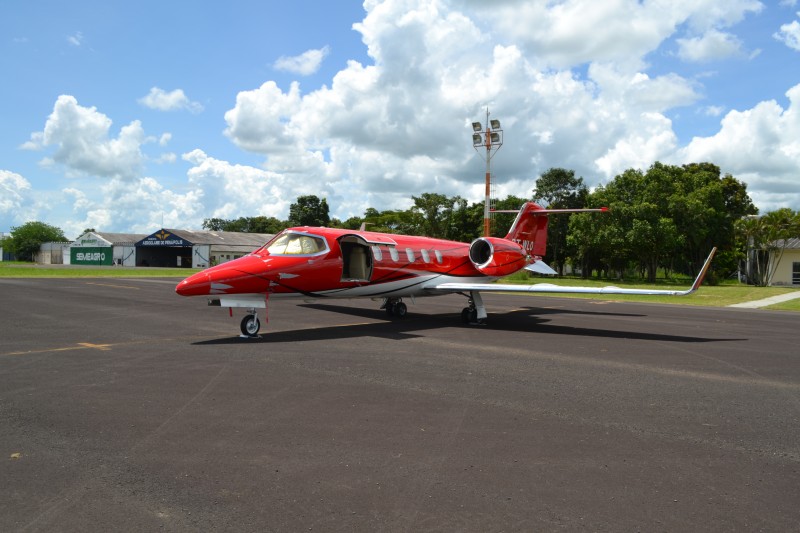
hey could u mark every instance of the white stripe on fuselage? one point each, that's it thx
(406, 288)
(416, 286)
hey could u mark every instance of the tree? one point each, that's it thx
(350, 223)
(259, 224)
(215, 224)
(502, 221)
(392, 221)
(440, 216)
(309, 211)
(467, 221)
(558, 188)
(705, 208)
(263, 224)
(25, 240)
(669, 217)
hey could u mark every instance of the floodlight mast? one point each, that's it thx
(491, 140)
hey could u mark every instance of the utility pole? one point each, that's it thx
(491, 139)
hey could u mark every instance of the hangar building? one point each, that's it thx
(195, 249)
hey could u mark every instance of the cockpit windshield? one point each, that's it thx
(290, 243)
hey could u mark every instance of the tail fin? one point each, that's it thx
(529, 230)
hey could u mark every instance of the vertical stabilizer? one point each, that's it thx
(529, 230)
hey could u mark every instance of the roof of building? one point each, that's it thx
(229, 238)
(120, 238)
(111, 238)
(791, 244)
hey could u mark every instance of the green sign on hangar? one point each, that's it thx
(91, 251)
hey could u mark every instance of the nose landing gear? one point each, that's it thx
(250, 324)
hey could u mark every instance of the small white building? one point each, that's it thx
(53, 253)
(787, 270)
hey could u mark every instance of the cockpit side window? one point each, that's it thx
(297, 244)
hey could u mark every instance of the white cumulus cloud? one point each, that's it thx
(76, 39)
(13, 191)
(83, 144)
(759, 145)
(789, 34)
(304, 64)
(711, 46)
(175, 100)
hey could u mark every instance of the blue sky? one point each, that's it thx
(126, 116)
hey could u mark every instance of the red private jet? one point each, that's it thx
(318, 263)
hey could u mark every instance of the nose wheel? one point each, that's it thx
(250, 325)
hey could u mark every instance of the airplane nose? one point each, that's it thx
(195, 285)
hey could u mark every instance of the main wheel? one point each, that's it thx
(250, 325)
(399, 309)
(469, 316)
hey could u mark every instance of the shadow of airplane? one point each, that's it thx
(527, 320)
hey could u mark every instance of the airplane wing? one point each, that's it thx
(550, 288)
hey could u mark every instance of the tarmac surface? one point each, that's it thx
(126, 407)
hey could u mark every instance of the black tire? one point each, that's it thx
(465, 315)
(250, 325)
(400, 309)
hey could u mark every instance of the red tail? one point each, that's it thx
(530, 228)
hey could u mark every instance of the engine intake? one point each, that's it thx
(497, 257)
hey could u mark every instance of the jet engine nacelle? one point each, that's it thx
(497, 257)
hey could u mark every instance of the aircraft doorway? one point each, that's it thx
(356, 259)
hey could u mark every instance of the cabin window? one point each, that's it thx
(425, 256)
(376, 251)
(410, 255)
(394, 254)
(438, 255)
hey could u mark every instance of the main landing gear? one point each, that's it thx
(475, 313)
(395, 307)
(250, 324)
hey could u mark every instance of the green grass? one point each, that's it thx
(31, 270)
(791, 305)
